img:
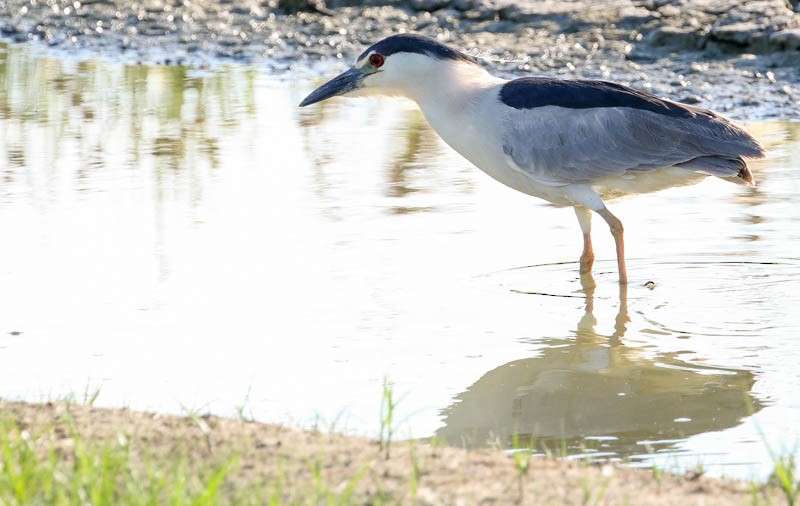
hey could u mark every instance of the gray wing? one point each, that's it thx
(559, 145)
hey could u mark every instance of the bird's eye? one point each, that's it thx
(376, 60)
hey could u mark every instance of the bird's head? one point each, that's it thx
(393, 66)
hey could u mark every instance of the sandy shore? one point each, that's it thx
(737, 57)
(441, 475)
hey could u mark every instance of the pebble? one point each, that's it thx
(786, 39)
(428, 5)
(691, 99)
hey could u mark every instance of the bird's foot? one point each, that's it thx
(586, 263)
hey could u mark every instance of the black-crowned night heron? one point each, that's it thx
(571, 142)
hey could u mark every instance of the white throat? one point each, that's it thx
(454, 97)
(451, 84)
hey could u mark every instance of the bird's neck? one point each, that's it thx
(453, 104)
(451, 89)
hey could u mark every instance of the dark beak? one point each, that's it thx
(339, 85)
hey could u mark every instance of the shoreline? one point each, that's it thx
(283, 462)
(739, 60)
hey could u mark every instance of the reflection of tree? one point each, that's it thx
(398, 180)
(158, 113)
(419, 145)
(770, 134)
(413, 145)
(594, 386)
(66, 124)
(310, 119)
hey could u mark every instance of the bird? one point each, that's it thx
(572, 142)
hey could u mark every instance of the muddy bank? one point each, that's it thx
(734, 56)
(249, 29)
(271, 455)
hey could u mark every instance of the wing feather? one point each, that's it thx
(558, 145)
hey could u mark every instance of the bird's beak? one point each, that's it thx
(339, 85)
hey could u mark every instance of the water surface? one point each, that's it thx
(187, 239)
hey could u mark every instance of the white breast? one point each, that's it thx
(475, 130)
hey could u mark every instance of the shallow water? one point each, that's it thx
(189, 240)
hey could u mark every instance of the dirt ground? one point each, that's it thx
(446, 475)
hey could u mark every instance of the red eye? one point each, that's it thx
(376, 60)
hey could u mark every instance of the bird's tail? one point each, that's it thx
(746, 176)
(731, 168)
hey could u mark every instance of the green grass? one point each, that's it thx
(785, 476)
(522, 462)
(593, 494)
(52, 468)
(58, 464)
(33, 471)
(388, 407)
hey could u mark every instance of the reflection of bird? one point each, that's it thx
(570, 142)
(592, 385)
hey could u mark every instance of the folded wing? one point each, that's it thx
(581, 131)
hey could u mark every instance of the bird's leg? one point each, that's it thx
(617, 232)
(587, 257)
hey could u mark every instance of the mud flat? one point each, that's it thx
(738, 57)
(274, 463)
